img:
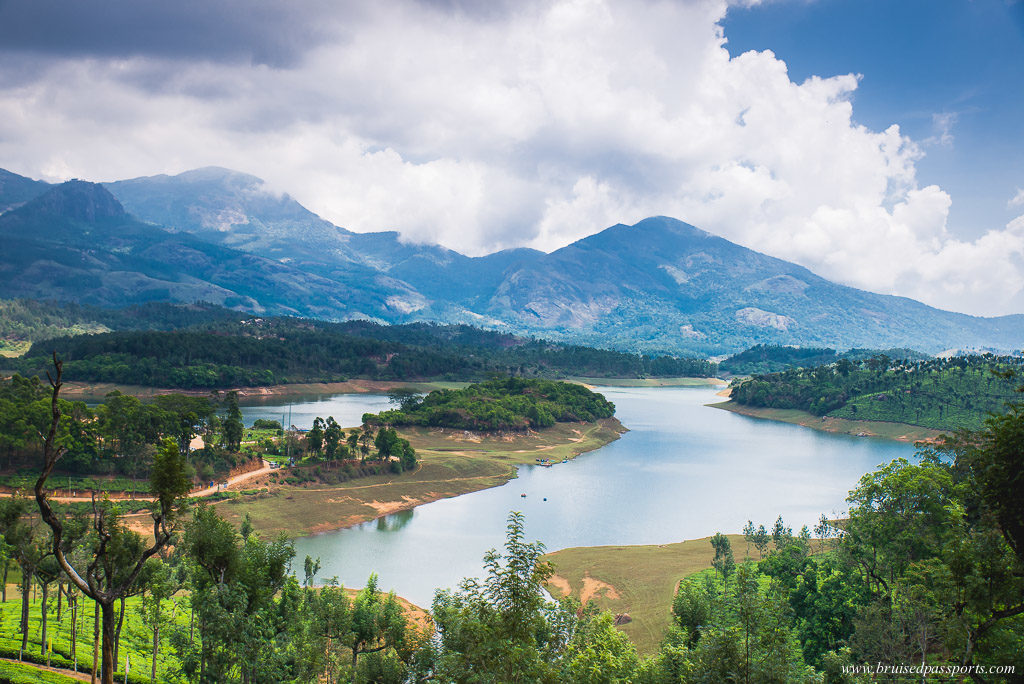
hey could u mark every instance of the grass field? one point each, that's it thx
(863, 428)
(637, 580)
(453, 462)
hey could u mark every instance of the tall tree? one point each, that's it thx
(117, 554)
(232, 427)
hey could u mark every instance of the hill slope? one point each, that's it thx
(76, 242)
(658, 285)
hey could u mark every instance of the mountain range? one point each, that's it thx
(660, 285)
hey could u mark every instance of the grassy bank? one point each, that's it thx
(453, 462)
(636, 580)
(861, 428)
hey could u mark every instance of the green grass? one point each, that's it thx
(637, 580)
(136, 638)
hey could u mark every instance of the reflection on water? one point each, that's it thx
(394, 522)
(684, 471)
(300, 410)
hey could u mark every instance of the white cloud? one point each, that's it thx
(942, 127)
(1018, 199)
(532, 126)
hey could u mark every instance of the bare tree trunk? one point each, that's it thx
(109, 637)
(117, 634)
(26, 579)
(95, 642)
(156, 645)
(60, 597)
(7, 566)
(73, 606)
(42, 612)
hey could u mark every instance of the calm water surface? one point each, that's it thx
(683, 471)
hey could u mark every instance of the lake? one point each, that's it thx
(683, 471)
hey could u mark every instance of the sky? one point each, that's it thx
(876, 142)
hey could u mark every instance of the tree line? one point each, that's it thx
(258, 352)
(944, 394)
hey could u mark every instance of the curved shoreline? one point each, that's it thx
(453, 463)
(902, 432)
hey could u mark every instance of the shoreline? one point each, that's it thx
(453, 463)
(82, 391)
(901, 432)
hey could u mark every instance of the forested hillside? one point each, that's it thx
(23, 321)
(944, 394)
(256, 351)
(768, 358)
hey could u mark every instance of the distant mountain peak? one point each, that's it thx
(77, 200)
(208, 174)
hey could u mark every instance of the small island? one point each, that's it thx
(516, 404)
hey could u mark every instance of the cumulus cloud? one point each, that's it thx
(492, 125)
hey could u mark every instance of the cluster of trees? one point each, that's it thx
(499, 404)
(772, 358)
(122, 435)
(279, 350)
(944, 394)
(327, 441)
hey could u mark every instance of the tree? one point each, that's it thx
(244, 599)
(724, 561)
(761, 540)
(332, 438)
(117, 554)
(27, 546)
(748, 535)
(232, 427)
(160, 586)
(822, 529)
(503, 628)
(315, 436)
(405, 398)
(996, 462)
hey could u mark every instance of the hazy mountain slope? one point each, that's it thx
(75, 242)
(237, 210)
(15, 190)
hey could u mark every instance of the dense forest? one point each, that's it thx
(926, 572)
(767, 358)
(499, 404)
(256, 352)
(23, 321)
(944, 394)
